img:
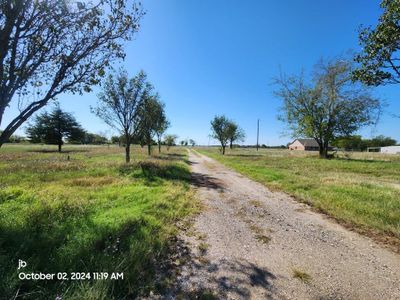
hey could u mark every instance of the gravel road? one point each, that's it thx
(252, 243)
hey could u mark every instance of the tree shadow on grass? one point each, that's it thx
(155, 170)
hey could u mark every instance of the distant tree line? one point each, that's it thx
(356, 142)
(57, 127)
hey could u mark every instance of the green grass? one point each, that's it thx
(361, 190)
(84, 210)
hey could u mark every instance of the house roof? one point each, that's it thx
(307, 142)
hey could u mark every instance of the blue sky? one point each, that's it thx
(219, 57)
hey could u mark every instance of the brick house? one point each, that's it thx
(304, 144)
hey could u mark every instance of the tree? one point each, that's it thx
(118, 104)
(235, 133)
(184, 143)
(161, 123)
(381, 141)
(94, 139)
(192, 142)
(55, 127)
(331, 105)
(115, 139)
(49, 47)
(379, 61)
(150, 115)
(356, 142)
(353, 142)
(170, 140)
(220, 130)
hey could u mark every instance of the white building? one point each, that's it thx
(391, 150)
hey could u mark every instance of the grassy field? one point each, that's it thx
(361, 190)
(84, 210)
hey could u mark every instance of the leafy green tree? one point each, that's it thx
(150, 115)
(381, 141)
(49, 47)
(118, 104)
(55, 127)
(353, 142)
(94, 139)
(192, 142)
(379, 61)
(170, 140)
(115, 139)
(220, 130)
(236, 133)
(161, 123)
(329, 106)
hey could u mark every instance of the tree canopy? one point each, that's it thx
(328, 106)
(356, 142)
(94, 139)
(236, 134)
(379, 61)
(161, 123)
(220, 130)
(151, 119)
(49, 47)
(119, 102)
(54, 128)
(170, 140)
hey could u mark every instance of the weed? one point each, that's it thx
(301, 275)
(256, 203)
(203, 247)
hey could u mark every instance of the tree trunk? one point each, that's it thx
(231, 145)
(128, 152)
(323, 150)
(149, 148)
(59, 147)
(159, 146)
(223, 150)
(3, 139)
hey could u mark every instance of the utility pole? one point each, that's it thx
(258, 131)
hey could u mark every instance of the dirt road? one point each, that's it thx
(251, 243)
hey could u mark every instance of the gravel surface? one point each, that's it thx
(251, 243)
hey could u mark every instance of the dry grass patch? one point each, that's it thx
(92, 181)
(301, 275)
(201, 236)
(203, 248)
(256, 203)
(260, 234)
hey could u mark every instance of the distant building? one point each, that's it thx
(391, 150)
(304, 144)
